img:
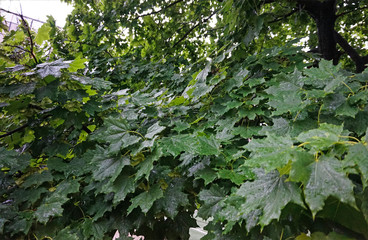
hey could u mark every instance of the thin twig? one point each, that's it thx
(192, 28)
(14, 131)
(22, 127)
(162, 9)
(347, 12)
(285, 16)
(23, 49)
(25, 24)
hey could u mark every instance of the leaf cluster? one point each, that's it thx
(262, 146)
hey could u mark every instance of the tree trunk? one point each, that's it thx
(324, 14)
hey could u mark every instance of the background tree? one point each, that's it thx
(135, 116)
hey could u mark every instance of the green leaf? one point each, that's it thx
(358, 156)
(300, 170)
(94, 229)
(29, 195)
(66, 233)
(346, 110)
(2, 223)
(121, 187)
(255, 81)
(43, 33)
(321, 76)
(212, 201)
(99, 208)
(110, 168)
(207, 146)
(146, 166)
(58, 149)
(330, 236)
(77, 64)
(153, 130)
(97, 83)
(50, 91)
(233, 176)
(51, 208)
(37, 179)
(285, 98)
(118, 133)
(181, 126)
(322, 138)
(345, 215)
(280, 127)
(327, 179)
(237, 80)
(334, 83)
(269, 153)
(266, 187)
(146, 199)
(51, 68)
(13, 160)
(18, 89)
(246, 132)
(177, 101)
(364, 206)
(66, 187)
(178, 143)
(207, 174)
(173, 198)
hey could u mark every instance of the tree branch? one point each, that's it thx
(353, 54)
(192, 28)
(23, 126)
(162, 9)
(347, 12)
(14, 131)
(23, 49)
(25, 24)
(285, 16)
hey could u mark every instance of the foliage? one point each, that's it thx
(97, 137)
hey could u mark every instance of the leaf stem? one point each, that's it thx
(351, 90)
(297, 114)
(135, 132)
(303, 144)
(346, 142)
(356, 139)
(282, 234)
(319, 114)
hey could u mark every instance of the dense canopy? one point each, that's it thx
(140, 116)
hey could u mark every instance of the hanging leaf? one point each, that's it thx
(322, 138)
(266, 187)
(43, 34)
(77, 64)
(52, 68)
(51, 208)
(110, 168)
(153, 130)
(212, 201)
(327, 179)
(118, 134)
(269, 153)
(145, 200)
(173, 198)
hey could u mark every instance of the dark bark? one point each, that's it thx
(324, 14)
(353, 54)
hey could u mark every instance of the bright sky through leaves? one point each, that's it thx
(39, 9)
